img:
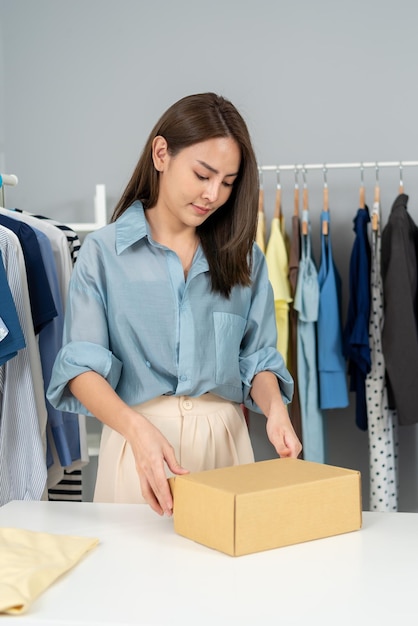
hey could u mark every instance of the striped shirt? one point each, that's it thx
(23, 472)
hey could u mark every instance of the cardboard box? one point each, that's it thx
(269, 504)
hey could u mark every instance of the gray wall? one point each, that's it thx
(82, 82)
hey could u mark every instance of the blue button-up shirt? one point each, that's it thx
(133, 318)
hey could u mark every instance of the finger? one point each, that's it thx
(295, 449)
(161, 490)
(173, 464)
(149, 497)
(284, 452)
(286, 446)
(278, 441)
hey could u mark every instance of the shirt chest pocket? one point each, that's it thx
(229, 329)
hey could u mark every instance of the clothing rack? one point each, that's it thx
(100, 215)
(6, 179)
(329, 166)
(303, 168)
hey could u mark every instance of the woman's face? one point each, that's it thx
(198, 180)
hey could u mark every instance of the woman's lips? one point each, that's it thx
(201, 210)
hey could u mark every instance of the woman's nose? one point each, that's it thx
(211, 191)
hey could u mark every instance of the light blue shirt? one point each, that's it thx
(306, 303)
(133, 318)
(333, 391)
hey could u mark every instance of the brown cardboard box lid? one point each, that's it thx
(264, 475)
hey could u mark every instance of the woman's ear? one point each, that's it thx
(159, 153)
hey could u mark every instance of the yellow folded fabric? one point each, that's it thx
(31, 561)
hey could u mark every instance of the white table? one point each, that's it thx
(143, 573)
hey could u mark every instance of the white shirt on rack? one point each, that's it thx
(23, 472)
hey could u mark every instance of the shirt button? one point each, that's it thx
(183, 378)
(187, 404)
(147, 363)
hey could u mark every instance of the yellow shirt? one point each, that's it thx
(278, 269)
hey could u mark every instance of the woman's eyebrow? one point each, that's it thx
(212, 169)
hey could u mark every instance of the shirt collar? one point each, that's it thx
(131, 226)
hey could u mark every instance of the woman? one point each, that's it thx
(170, 318)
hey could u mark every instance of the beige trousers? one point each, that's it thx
(205, 432)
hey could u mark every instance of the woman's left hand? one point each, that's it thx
(266, 394)
(282, 436)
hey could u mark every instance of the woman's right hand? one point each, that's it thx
(151, 451)
(150, 448)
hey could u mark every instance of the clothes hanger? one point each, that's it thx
(261, 192)
(278, 204)
(305, 204)
(325, 201)
(375, 215)
(401, 188)
(362, 201)
(296, 195)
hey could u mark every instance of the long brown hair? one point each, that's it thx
(228, 235)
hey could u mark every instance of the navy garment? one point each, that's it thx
(356, 342)
(41, 301)
(14, 340)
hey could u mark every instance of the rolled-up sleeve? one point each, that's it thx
(74, 359)
(258, 349)
(86, 338)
